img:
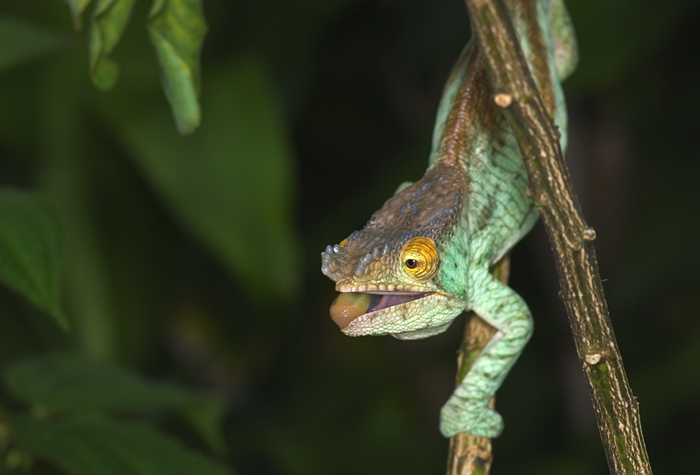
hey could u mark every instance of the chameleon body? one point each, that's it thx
(424, 257)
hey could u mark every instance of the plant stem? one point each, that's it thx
(616, 408)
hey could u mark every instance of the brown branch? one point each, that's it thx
(471, 454)
(616, 408)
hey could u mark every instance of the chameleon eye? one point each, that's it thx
(420, 258)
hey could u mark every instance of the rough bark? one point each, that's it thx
(571, 239)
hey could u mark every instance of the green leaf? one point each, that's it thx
(95, 446)
(77, 7)
(30, 250)
(206, 418)
(108, 23)
(62, 383)
(23, 40)
(231, 183)
(177, 29)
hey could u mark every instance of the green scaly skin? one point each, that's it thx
(472, 202)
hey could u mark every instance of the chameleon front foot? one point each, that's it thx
(484, 423)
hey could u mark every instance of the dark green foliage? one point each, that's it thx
(204, 179)
(68, 384)
(193, 262)
(71, 398)
(31, 242)
(108, 23)
(98, 446)
(177, 29)
(76, 8)
(29, 41)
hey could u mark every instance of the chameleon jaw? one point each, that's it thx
(382, 313)
(349, 306)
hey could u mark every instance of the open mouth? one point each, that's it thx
(349, 306)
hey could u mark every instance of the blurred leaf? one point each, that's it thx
(63, 383)
(177, 29)
(95, 446)
(108, 23)
(67, 161)
(231, 182)
(23, 40)
(30, 250)
(206, 418)
(72, 384)
(76, 10)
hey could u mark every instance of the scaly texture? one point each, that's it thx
(466, 212)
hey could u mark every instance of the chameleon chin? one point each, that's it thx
(424, 257)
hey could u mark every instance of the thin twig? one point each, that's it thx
(571, 238)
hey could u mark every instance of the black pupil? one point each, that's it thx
(411, 263)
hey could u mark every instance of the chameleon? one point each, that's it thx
(424, 257)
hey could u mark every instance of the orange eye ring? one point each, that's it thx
(419, 258)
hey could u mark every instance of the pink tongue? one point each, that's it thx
(395, 299)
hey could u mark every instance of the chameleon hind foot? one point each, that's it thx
(484, 423)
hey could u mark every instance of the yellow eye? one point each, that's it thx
(343, 242)
(419, 258)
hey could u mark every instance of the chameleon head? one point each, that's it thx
(394, 275)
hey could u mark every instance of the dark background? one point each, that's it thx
(170, 268)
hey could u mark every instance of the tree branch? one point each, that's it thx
(571, 238)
